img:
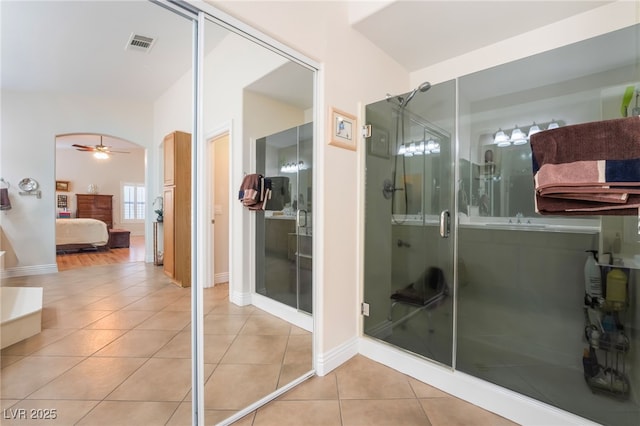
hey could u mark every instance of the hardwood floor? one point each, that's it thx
(135, 253)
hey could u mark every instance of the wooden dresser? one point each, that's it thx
(95, 206)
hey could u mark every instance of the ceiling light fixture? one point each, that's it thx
(534, 129)
(501, 138)
(520, 137)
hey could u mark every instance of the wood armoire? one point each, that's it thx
(177, 207)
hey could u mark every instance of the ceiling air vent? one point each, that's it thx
(140, 43)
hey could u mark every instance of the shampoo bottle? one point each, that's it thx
(592, 279)
(616, 289)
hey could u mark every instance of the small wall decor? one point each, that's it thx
(343, 130)
(62, 185)
(29, 186)
(62, 201)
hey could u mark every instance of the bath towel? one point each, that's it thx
(253, 191)
(590, 196)
(567, 207)
(602, 181)
(617, 139)
(590, 168)
(604, 173)
(5, 202)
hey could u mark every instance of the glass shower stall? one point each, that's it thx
(284, 229)
(409, 238)
(460, 269)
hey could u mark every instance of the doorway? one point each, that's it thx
(219, 210)
(99, 177)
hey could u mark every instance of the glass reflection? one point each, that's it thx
(251, 350)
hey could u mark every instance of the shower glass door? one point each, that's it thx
(409, 218)
(284, 229)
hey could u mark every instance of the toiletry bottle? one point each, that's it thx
(590, 363)
(616, 289)
(592, 279)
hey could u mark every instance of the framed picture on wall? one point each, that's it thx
(343, 130)
(62, 201)
(62, 185)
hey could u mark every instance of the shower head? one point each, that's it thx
(422, 88)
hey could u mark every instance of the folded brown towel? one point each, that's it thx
(5, 202)
(567, 207)
(600, 197)
(617, 139)
(575, 168)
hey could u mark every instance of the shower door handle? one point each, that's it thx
(299, 224)
(445, 223)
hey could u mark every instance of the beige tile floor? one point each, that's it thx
(115, 350)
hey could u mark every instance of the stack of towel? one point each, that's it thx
(254, 191)
(588, 169)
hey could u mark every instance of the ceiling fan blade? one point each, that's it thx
(98, 148)
(83, 147)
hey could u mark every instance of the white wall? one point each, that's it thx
(174, 110)
(30, 123)
(354, 71)
(82, 169)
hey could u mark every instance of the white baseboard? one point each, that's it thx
(280, 310)
(21, 271)
(329, 361)
(504, 402)
(240, 298)
(220, 278)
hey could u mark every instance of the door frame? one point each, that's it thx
(210, 137)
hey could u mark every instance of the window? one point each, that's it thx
(133, 202)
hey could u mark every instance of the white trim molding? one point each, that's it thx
(239, 298)
(21, 271)
(329, 361)
(222, 277)
(282, 311)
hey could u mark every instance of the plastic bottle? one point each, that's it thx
(616, 289)
(592, 277)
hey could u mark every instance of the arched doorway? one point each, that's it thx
(99, 177)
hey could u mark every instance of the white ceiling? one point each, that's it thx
(418, 34)
(78, 47)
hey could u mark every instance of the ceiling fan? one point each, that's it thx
(99, 151)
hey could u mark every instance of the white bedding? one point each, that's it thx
(81, 231)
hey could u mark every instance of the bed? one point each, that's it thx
(79, 234)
